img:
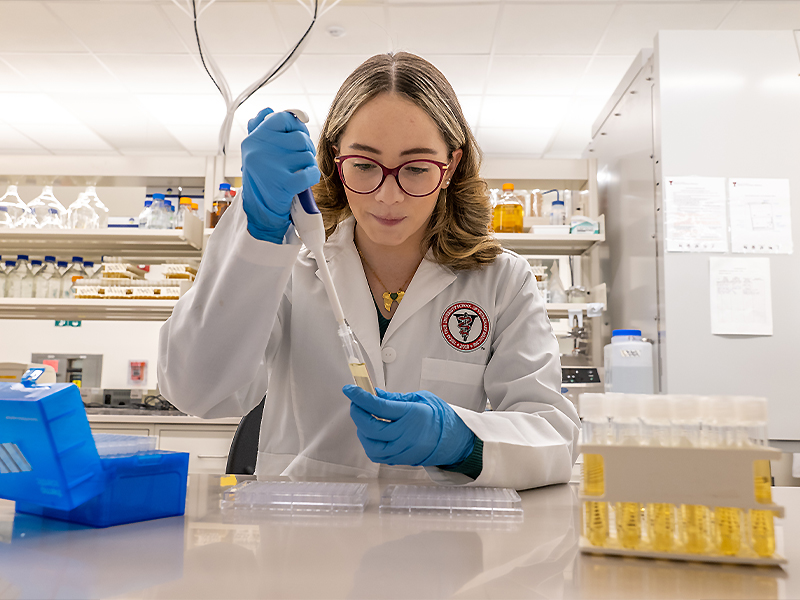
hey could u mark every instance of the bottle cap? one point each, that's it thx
(49, 258)
(185, 200)
(11, 263)
(592, 406)
(77, 259)
(558, 203)
(508, 187)
(22, 257)
(88, 263)
(685, 408)
(168, 202)
(3, 209)
(62, 263)
(158, 196)
(636, 332)
(195, 206)
(227, 186)
(52, 211)
(750, 409)
(148, 203)
(623, 406)
(654, 408)
(36, 261)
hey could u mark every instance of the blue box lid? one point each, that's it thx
(47, 453)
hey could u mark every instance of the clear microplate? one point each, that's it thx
(112, 444)
(296, 497)
(480, 502)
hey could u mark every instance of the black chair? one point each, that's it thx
(244, 447)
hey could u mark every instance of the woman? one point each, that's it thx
(446, 318)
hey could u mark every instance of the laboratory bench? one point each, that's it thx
(210, 554)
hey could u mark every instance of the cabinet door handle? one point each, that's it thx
(212, 456)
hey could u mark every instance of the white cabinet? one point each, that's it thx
(207, 447)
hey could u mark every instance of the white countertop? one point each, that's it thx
(369, 555)
(153, 416)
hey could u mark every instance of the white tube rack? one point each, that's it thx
(712, 477)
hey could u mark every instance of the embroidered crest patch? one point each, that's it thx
(465, 326)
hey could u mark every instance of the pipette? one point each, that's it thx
(308, 223)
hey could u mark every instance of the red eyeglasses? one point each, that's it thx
(362, 175)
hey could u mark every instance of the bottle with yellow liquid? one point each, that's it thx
(657, 431)
(626, 430)
(720, 431)
(508, 212)
(751, 413)
(594, 431)
(694, 523)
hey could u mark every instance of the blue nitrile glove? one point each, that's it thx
(424, 429)
(277, 163)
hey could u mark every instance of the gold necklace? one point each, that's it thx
(389, 297)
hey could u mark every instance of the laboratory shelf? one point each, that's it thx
(561, 310)
(137, 245)
(86, 309)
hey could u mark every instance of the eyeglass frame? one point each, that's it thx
(395, 172)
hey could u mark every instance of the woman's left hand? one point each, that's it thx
(423, 430)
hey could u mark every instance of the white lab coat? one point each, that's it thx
(257, 320)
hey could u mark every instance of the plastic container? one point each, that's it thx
(110, 444)
(628, 362)
(81, 214)
(558, 214)
(296, 497)
(13, 204)
(509, 212)
(42, 204)
(478, 502)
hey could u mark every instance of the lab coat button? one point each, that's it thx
(388, 355)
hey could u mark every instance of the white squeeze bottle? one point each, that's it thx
(594, 418)
(628, 362)
(695, 520)
(626, 431)
(657, 431)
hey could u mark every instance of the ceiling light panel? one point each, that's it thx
(30, 27)
(467, 74)
(159, 73)
(185, 109)
(29, 109)
(12, 140)
(320, 105)
(535, 112)
(66, 139)
(115, 27)
(552, 28)
(513, 141)
(11, 81)
(365, 30)
(764, 15)
(471, 107)
(325, 74)
(424, 29)
(199, 140)
(634, 26)
(65, 72)
(536, 75)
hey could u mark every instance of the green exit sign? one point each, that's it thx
(68, 323)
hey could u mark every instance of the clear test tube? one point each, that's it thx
(355, 359)
(626, 430)
(657, 431)
(694, 524)
(751, 413)
(594, 418)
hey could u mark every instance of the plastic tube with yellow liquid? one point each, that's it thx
(694, 523)
(657, 431)
(594, 431)
(751, 413)
(626, 430)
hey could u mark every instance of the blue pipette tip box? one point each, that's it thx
(50, 466)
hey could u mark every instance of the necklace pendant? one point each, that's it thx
(387, 301)
(400, 295)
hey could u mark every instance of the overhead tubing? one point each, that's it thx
(194, 9)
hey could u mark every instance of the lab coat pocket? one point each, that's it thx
(455, 382)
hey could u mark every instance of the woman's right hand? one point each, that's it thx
(277, 163)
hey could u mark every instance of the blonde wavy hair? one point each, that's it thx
(459, 228)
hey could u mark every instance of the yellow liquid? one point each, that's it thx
(762, 526)
(728, 528)
(629, 524)
(695, 529)
(661, 526)
(507, 218)
(361, 377)
(596, 513)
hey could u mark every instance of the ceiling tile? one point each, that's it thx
(264, 98)
(423, 29)
(325, 74)
(240, 71)
(538, 75)
(197, 139)
(634, 26)
(604, 74)
(119, 27)
(33, 109)
(159, 73)
(363, 29)
(523, 111)
(185, 109)
(11, 81)
(12, 140)
(320, 105)
(551, 28)
(66, 139)
(513, 141)
(763, 15)
(29, 27)
(65, 72)
(467, 74)
(471, 107)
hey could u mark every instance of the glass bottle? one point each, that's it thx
(6, 221)
(74, 272)
(594, 418)
(51, 220)
(44, 202)
(81, 214)
(48, 279)
(19, 282)
(169, 215)
(28, 220)
(6, 291)
(14, 205)
(146, 215)
(508, 212)
(184, 207)
(222, 200)
(100, 209)
(626, 430)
